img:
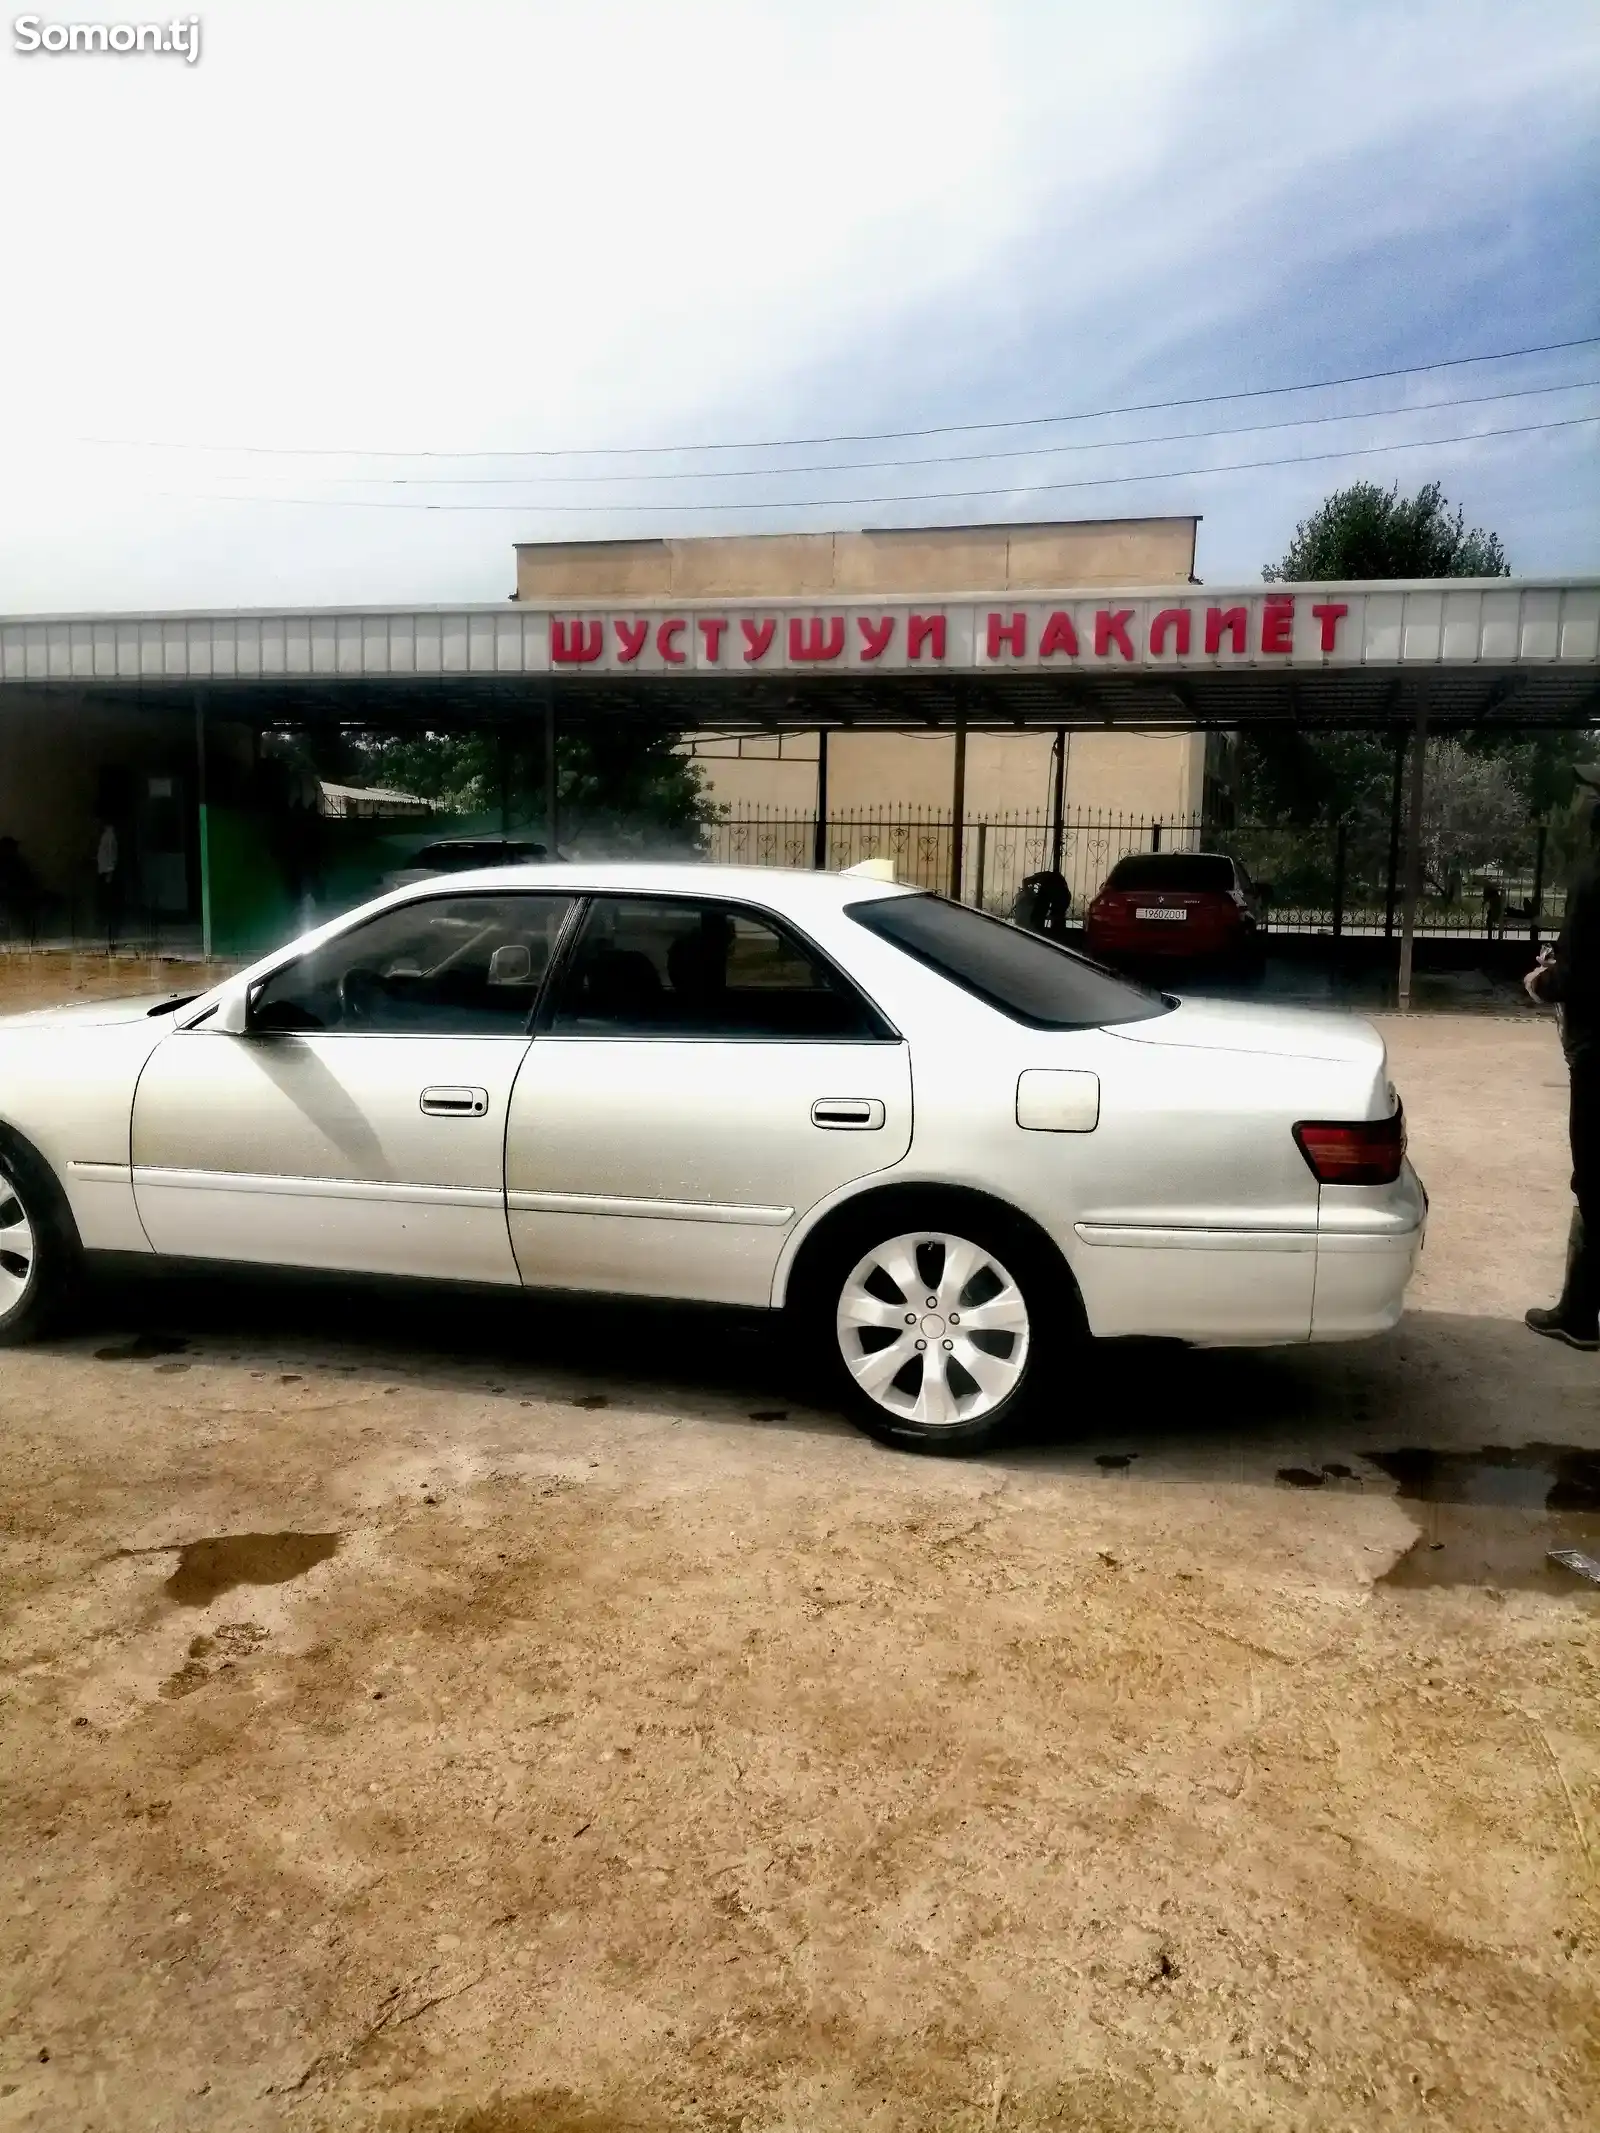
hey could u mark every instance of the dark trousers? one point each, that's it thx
(108, 901)
(1581, 1297)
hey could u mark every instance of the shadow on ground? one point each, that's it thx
(1491, 1438)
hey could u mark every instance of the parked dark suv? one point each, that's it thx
(459, 855)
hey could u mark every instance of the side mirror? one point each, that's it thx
(232, 1015)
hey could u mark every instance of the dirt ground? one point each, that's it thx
(524, 1719)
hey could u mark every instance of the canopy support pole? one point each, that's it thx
(203, 810)
(1408, 915)
(550, 822)
(1058, 791)
(958, 806)
(1396, 790)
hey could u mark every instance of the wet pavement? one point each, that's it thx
(1492, 1517)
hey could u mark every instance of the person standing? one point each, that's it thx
(1568, 978)
(1043, 904)
(108, 882)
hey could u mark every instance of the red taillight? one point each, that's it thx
(1366, 1154)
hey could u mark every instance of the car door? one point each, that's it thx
(700, 1077)
(359, 1123)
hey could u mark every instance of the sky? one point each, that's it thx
(254, 304)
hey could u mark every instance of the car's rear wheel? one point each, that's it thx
(39, 1253)
(938, 1324)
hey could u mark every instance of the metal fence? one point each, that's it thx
(1346, 879)
(81, 922)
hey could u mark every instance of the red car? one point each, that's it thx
(1189, 906)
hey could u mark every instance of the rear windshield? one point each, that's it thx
(1027, 977)
(1173, 870)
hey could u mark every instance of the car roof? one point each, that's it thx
(1228, 856)
(780, 888)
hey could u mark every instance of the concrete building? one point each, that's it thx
(1154, 777)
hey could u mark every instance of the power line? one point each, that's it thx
(923, 496)
(942, 459)
(773, 444)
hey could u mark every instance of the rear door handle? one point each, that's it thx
(456, 1103)
(858, 1114)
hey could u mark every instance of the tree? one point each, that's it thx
(1473, 815)
(618, 786)
(1315, 780)
(1368, 532)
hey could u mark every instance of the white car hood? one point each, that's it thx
(1240, 1026)
(95, 1014)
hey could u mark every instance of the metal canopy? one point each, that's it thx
(1480, 652)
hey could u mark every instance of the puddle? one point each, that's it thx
(208, 1568)
(1490, 1517)
(142, 1347)
(1316, 1477)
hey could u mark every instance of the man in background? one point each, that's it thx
(1043, 904)
(1569, 978)
(108, 882)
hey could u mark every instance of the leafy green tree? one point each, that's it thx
(1368, 532)
(1316, 780)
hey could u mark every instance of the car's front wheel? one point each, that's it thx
(937, 1330)
(39, 1256)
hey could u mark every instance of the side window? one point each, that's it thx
(649, 967)
(462, 966)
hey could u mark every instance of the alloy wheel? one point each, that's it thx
(17, 1248)
(933, 1328)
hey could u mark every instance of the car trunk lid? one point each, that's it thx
(1283, 1032)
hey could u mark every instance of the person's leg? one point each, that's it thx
(1582, 1295)
(1576, 1318)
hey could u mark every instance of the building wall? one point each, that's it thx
(940, 559)
(1156, 777)
(1007, 774)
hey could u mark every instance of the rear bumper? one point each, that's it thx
(1181, 943)
(1368, 1245)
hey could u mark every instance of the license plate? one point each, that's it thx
(1151, 911)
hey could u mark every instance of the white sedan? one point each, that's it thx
(946, 1148)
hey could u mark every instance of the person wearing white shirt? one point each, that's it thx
(108, 886)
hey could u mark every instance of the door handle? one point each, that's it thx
(858, 1114)
(455, 1103)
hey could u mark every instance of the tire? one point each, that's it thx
(40, 1257)
(958, 1388)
